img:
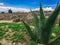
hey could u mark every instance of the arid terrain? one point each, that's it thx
(9, 17)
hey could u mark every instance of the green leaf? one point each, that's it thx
(46, 29)
(53, 40)
(29, 31)
(36, 25)
(36, 20)
(42, 16)
(42, 22)
(32, 43)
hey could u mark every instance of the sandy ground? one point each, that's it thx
(6, 21)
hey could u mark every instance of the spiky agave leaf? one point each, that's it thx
(42, 16)
(42, 21)
(46, 28)
(36, 24)
(36, 20)
(30, 32)
(53, 40)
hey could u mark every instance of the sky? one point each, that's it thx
(26, 5)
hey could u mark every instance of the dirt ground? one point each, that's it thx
(7, 42)
(6, 21)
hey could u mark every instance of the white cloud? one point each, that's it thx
(6, 8)
(36, 9)
(14, 9)
(48, 9)
(45, 9)
(1, 4)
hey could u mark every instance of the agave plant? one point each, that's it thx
(43, 28)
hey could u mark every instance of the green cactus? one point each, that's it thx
(43, 28)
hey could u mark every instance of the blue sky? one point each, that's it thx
(29, 3)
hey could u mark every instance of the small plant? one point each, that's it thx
(43, 28)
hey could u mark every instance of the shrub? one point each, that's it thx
(16, 20)
(2, 12)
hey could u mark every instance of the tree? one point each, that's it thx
(9, 11)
